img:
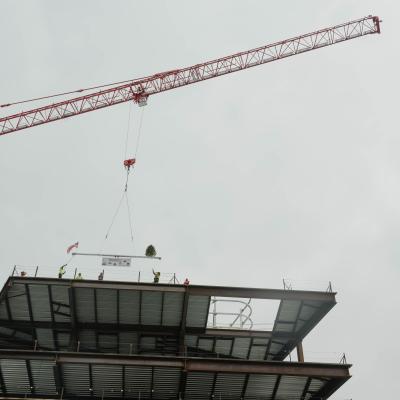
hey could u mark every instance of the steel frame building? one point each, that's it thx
(100, 340)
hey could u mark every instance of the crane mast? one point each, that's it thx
(139, 90)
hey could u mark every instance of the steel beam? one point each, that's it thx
(305, 390)
(28, 299)
(246, 382)
(278, 381)
(257, 293)
(190, 364)
(300, 353)
(2, 383)
(182, 384)
(58, 378)
(211, 397)
(218, 291)
(73, 326)
(30, 378)
(182, 328)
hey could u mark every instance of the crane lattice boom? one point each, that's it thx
(139, 90)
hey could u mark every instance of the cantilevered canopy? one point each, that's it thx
(78, 375)
(120, 317)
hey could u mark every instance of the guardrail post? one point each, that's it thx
(300, 353)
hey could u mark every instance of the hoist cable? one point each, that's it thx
(129, 215)
(115, 215)
(125, 191)
(139, 132)
(127, 131)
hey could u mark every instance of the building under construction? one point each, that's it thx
(70, 339)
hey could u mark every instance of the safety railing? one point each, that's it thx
(127, 274)
(241, 318)
(164, 348)
(295, 284)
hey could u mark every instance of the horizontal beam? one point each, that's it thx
(257, 293)
(103, 327)
(189, 364)
(116, 256)
(237, 333)
(143, 329)
(198, 290)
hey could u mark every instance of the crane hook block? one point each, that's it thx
(129, 162)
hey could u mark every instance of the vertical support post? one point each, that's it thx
(300, 353)
(14, 270)
(36, 271)
(74, 319)
(214, 312)
(75, 273)
(139, 276)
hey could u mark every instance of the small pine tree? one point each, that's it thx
(151, 251)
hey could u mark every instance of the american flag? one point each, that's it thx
(73, 246)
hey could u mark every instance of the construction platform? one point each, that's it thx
(101, 339)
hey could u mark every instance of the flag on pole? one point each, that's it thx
(73, 246)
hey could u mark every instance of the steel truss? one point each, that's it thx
(139, 90)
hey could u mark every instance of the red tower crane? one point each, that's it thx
(139, 90)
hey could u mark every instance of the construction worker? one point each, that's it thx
(79, 277)
(23, 274)
(186, 283)
(156, 276)
(62, 271)
(101, 276)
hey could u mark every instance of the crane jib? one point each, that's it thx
(139, 90)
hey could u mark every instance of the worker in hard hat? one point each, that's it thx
(62, 271)
(156, 276)
(79, 277)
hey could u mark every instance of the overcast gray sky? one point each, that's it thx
(286, 170)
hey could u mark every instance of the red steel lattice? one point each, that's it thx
(139, 90)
